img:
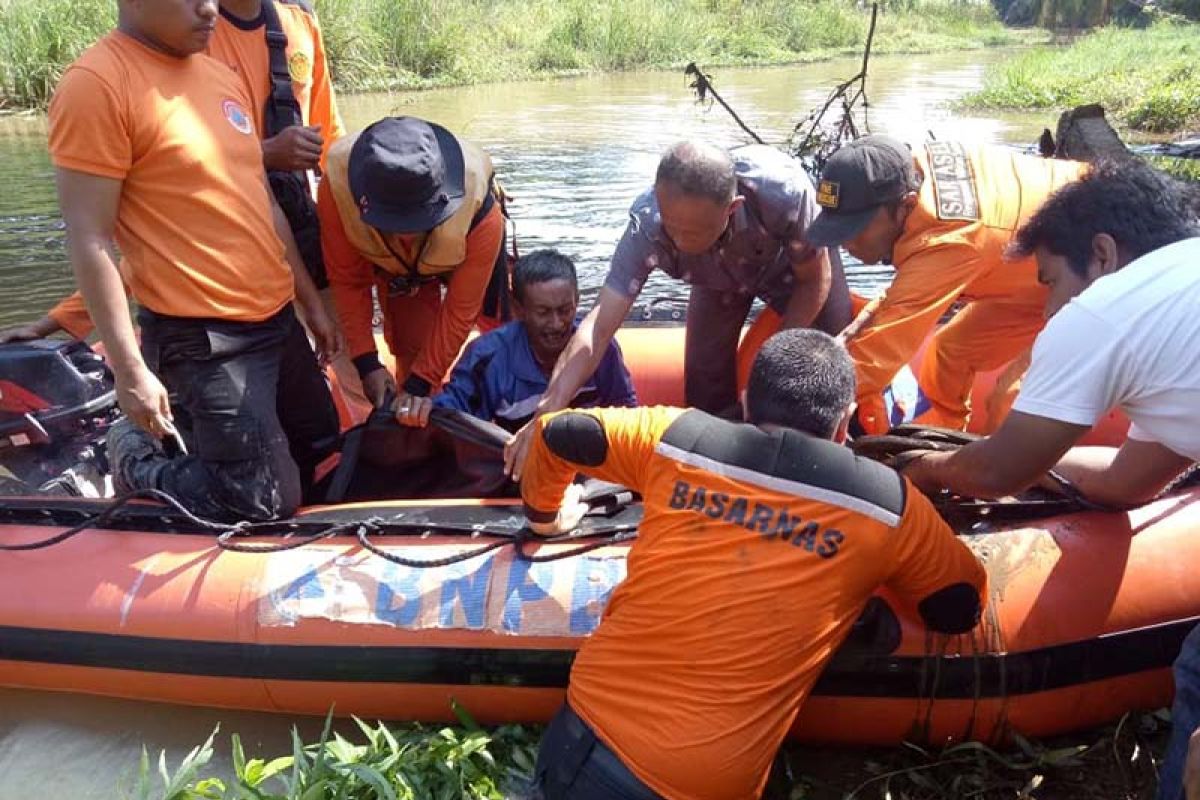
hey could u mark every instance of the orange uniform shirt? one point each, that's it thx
(351, 277)
(756, 553)
(971, 203)
(242, 46)
(194, 224)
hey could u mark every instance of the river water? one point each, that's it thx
(573, 154)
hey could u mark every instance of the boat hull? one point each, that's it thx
(1086, 613)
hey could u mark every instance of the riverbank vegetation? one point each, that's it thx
(469, 762)
(400, 44)
(1148, 80)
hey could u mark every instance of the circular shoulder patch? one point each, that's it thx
(237, 116)
(300, 66)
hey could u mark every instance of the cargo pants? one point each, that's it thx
(253, 407)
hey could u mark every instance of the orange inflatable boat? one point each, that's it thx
(391, 609)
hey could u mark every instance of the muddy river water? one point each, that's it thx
(573, 153)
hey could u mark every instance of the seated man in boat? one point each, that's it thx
(409, 209)
(733, 226)
(943, 215)
(208, 256)
(1119, 252)
(501, 376)
(759, 546)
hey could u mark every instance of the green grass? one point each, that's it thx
(1148, 80)
(376, 44)
(411, 761)
(39, 38)
(397, 44)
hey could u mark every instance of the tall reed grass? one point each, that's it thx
(39, 38)
(1147, 79)
(394, 44)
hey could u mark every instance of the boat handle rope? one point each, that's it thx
(112, 511)
(611, 535)
(227, 534)
(905, 443)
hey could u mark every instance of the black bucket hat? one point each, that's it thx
(859, 178)
(406, 175)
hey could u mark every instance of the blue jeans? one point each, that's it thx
(573, 764)
(1185, 717)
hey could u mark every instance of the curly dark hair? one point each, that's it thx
(1141, 208)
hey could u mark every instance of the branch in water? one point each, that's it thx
(702, 85)
(819, 140)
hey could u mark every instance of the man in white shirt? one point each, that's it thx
(1120, 251)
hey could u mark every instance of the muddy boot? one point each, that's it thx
(135, 457)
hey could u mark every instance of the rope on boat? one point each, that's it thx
(619, 534)
(416, 563)
(612, 535)
(898, 446)
(361, 529)
(111, 512)
(905, 443)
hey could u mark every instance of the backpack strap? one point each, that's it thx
(282, 111)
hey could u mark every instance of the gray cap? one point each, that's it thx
(858, 178)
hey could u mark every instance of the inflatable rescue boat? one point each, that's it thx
(392, 608)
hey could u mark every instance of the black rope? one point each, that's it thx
(112, 512)
(417, 563)
(228, 533)
(616, 535)
(225, 540)
(1075, 495)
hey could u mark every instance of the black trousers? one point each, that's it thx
(714, 328)
(575, 765)
(253, 406)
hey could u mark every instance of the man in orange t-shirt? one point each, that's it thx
(154, 146)
(944, 215)
(239, 42)
(691, 681)
(408, 208)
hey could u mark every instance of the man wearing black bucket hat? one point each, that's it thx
(408, 208)
(944, 215)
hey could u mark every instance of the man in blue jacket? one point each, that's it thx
(502, 375)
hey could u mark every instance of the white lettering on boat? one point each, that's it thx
(493, 592)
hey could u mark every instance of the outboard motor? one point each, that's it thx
(57, 401)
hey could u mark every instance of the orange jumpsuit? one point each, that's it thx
(756, 553)
(971, 203)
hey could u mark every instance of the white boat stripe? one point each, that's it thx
(775, 483)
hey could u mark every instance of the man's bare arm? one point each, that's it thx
(328, 335)
(89, 206)
(1027, 446)
(1131, 475)
(1009, 461)
(812, 276)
